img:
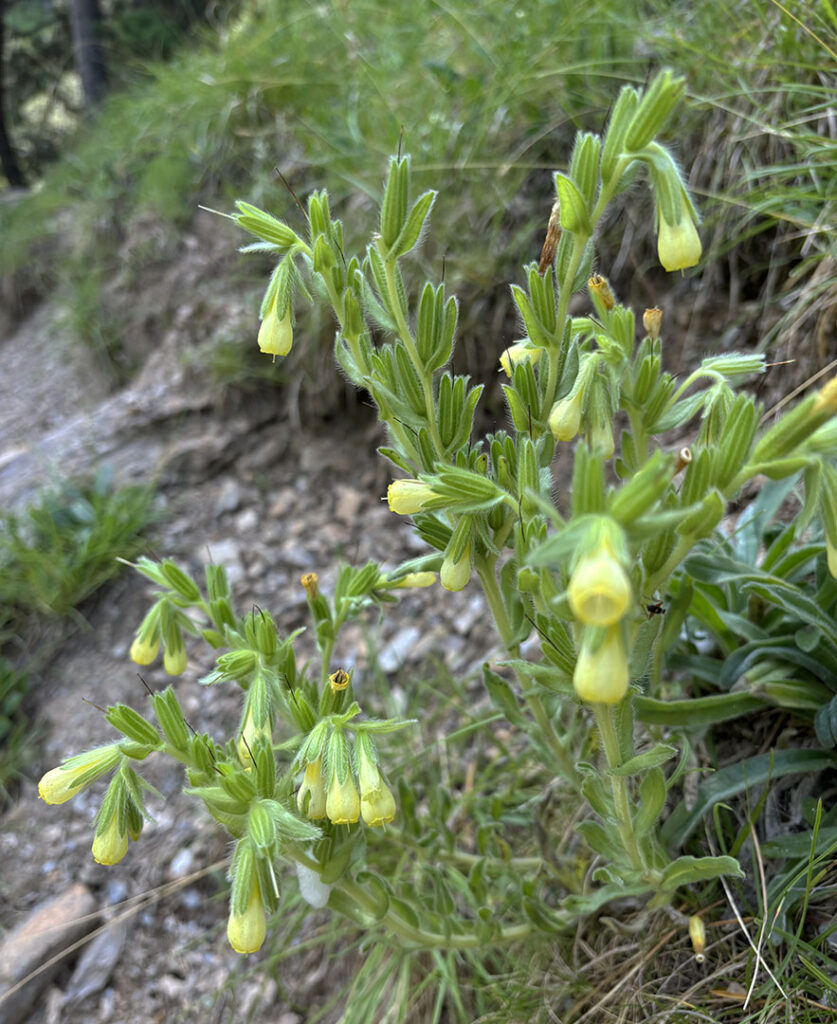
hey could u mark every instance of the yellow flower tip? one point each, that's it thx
(111, 845)
(60, 784)
(414, 580)
(652, 320)
(454, 576)
(601, 676)
(276, 336)
(143, 652)
(565, 418)
(678, 245)
(601, 437)
(246, 932)
(342, 801)
(697, 933)
(310, 584)
(339, 680)
(250, 734)
(312, 786)
(519, 352)
(174, 661)
(406, 497)
(827, 397)
(600, 590)
(378, 806)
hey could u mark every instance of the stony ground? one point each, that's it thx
(239, 484)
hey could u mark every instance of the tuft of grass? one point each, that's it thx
(53, 557)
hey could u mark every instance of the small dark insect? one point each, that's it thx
(655, 609)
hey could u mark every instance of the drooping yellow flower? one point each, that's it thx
(61, 784)
(678, 245)
(406, 497)
(276, 336)
(454, 575)
(175, 660)
(565, 418)
(519, 352)
(601, 676)
(377, 804)
(246, 932)
(111, 845)
(342, 800)
(312, 783)
(144, 651)
(600, 590)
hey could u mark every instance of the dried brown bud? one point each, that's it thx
(600, 289)
(310, 582)
(553, 237)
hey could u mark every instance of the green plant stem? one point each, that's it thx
(425, 378)
(681, 549)
(397, 925)
(491, 589)
(618, 784)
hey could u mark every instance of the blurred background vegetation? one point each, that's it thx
(205, 103)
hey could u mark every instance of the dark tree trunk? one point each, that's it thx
(85, 23)
(8, 158)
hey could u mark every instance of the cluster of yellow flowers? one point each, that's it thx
(338, 798)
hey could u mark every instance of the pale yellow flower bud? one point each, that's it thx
(143, 651)
(601, 676)
(110, 845)
(519, 352)
(276, 336)
(600, 590)
(454, 576)
(246, 932)
(61, 784)
(678, 245)
(342, 801)
(174, 661)
(312, 783)
(406, 497)
(565, 418)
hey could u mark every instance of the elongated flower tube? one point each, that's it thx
(312, 786)
(601, 675)
(111, 844)
(600, 590)
(61, 784)
(406, 497)
(276, 336)
(246, 932)
(678, 245)
(519, 352)
(342, 800)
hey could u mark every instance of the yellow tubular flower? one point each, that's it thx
(312, 783)
(405, 497)
(414, 579)
(111, 845)
(276, 336)
(378, 806)
(600, 590)
(61, 784)
(519, 352)
(246, 932)
(565, 418)
(678, 245)
(454, 576)
(174, 661)
(601, 677)
(143, 652)
(342, 801)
